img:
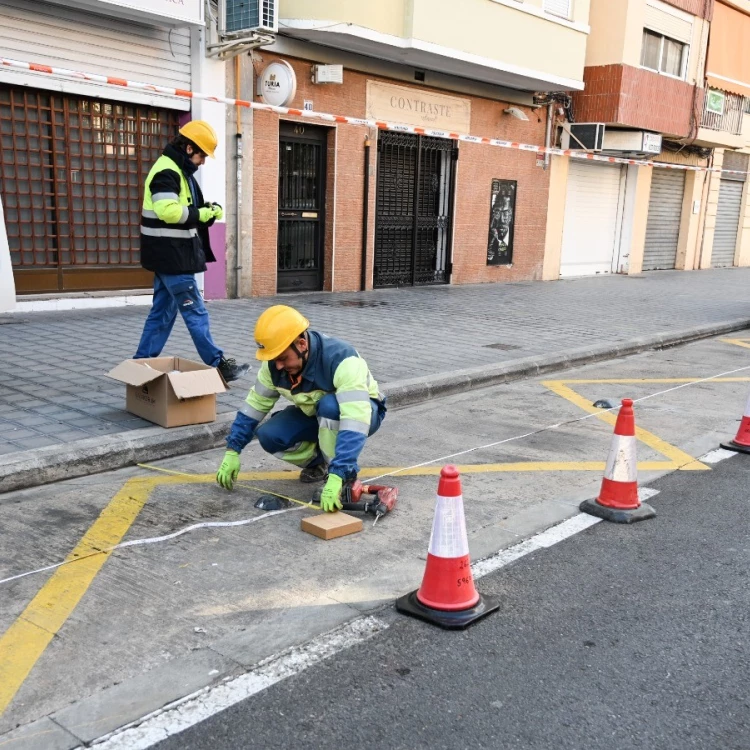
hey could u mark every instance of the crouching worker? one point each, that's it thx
(336, 404)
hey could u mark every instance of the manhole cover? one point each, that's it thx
(502, 347)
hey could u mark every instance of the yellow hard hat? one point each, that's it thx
(202, 135)
(277, 329)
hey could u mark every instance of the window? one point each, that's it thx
(662, 54)
(558, 7)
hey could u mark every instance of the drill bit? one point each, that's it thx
(377, 518)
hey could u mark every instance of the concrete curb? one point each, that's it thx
(93, 455)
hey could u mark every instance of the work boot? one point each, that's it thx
(230, 370)
(315, 473)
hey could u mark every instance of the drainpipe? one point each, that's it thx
(365, 213)
(548, 136)
(238, 227)
(698, 262)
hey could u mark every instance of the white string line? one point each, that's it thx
(245, 522)
(153, 540)
(552, 426)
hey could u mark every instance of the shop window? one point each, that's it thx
(662, 54)
(71, 176)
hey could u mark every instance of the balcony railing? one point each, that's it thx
(731, 119)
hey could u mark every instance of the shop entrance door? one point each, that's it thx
(302, 193)
(414, 214)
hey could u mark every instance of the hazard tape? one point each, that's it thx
(342, 119)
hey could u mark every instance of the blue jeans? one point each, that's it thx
(173, 293)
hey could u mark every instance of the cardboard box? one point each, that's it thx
(170, 391)
(331, 525)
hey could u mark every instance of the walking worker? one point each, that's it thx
(336, 404)
(175, 245)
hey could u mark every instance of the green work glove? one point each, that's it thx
(218, 211)
(330, 499)
(205, 214)
(229, 469)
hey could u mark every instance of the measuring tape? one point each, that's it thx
(238, 484)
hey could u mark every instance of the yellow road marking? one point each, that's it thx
(737, 342)
(27, 638)
(654, 380)
(422, 471)
(684, 460)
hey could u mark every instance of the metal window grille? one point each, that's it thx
(414, 209)
(71, 177)
(730, 121)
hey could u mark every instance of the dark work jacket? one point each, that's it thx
(187, 249)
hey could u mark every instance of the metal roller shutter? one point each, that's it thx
(664, 215)
(727, 223)
(592, 209)
(64, 37)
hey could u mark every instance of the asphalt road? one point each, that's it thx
(618, 638)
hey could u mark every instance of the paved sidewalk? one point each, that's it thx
(52, 365)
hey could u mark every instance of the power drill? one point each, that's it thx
(378, 499)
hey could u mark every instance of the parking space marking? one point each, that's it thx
(27, 638)
(745, 343)
(684, 461)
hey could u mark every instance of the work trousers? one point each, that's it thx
(173, 293)
(307, 441)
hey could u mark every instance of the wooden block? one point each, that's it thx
(331, 525)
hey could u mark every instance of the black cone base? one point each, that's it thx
(410, 605)
(736, 447)
(593, 508)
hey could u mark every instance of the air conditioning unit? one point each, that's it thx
(610, 141)
(241, 17)
(631, 143)
(583, 136)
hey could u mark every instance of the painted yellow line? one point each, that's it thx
(25, 641)
(27, 638)
(685, 461)
(737, 342)
(421, 471)
(653, 380)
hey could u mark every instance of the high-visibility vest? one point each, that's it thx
(170, 244)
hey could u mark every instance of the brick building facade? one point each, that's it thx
(344, 205)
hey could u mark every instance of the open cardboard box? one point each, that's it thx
(170, 391)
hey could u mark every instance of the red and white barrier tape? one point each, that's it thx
(325, 117)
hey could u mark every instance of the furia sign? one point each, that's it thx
(277, 85)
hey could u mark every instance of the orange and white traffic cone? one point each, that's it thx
(741, 443)
(447, 596)
(618, 499)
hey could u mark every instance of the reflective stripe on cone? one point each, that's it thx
(447, 596)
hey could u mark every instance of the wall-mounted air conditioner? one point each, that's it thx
(583, 136)
(242, 17)
(631, 143)
(610, 140)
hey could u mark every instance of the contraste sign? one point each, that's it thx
(277, 84)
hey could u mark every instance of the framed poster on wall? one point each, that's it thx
(502, 222)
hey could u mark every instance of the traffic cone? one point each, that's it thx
(447, 596)
(618, 499)
(741, 443)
